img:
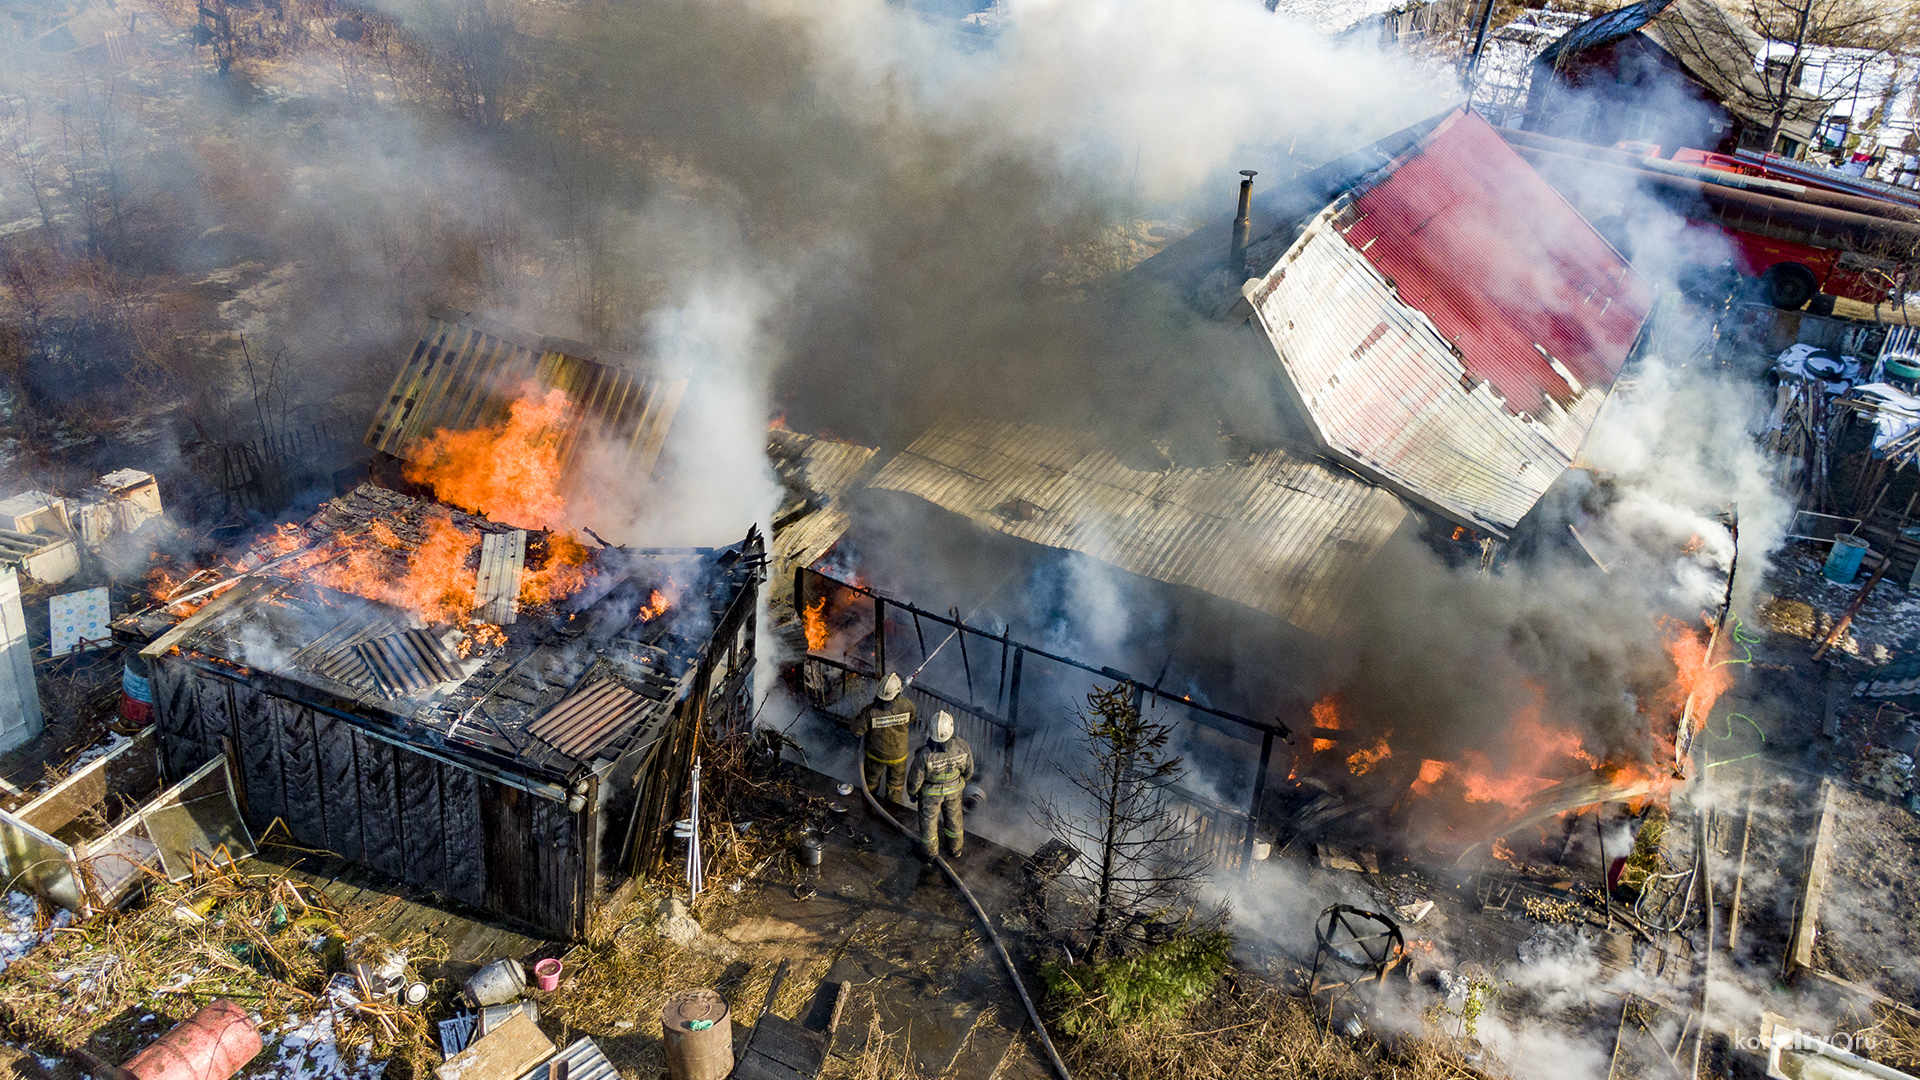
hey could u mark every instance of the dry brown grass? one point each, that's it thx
(1896, 1040)
(92, 986)
(620, 978)
(882, 1057)
(1255, 1032)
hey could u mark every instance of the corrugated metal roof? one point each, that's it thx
(828, 466)
(584, 1059)
(1453, 329)
(496, 588)
(589, 718)
(465, 371)
(825, 467)
(407, 662)
(1281, 534)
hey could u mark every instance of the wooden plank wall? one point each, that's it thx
(413, 816)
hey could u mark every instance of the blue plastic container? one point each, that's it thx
(1843, 562)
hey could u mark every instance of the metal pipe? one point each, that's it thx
(1781, 188)
(1242, 228)
(1805, 223)
(1253, 808)
(1479, 42)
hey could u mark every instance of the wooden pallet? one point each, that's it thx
(781, 1049)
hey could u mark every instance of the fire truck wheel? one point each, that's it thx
(1788, 286)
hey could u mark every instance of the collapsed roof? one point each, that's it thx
(1447, 325)
(565, 687)
(465, 371)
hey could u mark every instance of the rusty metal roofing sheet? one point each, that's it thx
(1281, 534)
(595, 714)
(407, 662)
(826, 467)
(1454, 329)
(465, 371)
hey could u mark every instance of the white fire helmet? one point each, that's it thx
(890, 687)
(942, 726)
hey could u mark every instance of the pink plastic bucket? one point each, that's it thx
(546, 974)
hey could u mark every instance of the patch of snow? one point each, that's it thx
(309, 1048)
(99, 750)
(1335, 16)
(17, 935)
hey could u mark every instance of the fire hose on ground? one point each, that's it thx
(1006, 961)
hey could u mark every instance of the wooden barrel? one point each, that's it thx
(699, 1036)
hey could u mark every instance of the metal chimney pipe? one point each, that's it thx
(1242, 225)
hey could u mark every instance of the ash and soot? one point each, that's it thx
(1376, 577)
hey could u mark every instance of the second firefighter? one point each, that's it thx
(940, 771)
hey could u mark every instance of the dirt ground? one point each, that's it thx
(1868, 930)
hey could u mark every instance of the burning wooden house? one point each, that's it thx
(499, 716)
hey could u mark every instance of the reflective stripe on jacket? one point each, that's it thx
(941, 772)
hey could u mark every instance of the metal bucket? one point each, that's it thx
(212, 1044)
(698, 1036)
(1843, 562)
(810, 849)
(497, 983)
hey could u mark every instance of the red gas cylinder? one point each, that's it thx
(211, 1044)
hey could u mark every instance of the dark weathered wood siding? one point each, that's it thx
(421, 817)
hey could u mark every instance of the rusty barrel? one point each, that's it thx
(212, 1044)
(699, 1036)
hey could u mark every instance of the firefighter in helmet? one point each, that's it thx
(941, 769)
(884, 726)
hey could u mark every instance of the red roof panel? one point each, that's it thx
(1507, 271)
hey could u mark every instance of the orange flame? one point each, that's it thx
(656, 606)
(1698, 681)
(1361, 762)
(479, 637)
(1501, 851)
(1536, 754)
(815, 617)
(562, 576)
(1326, 713)
(1322, 744)
(1430, 773)
(433, 580)
(509, 471)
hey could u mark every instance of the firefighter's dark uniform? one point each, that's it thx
(939, 774)
(885, 724)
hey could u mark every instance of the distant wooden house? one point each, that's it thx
(1674, 73)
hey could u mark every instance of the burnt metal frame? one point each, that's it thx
(1377, 963)
(664, 782)
(1009, 724)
